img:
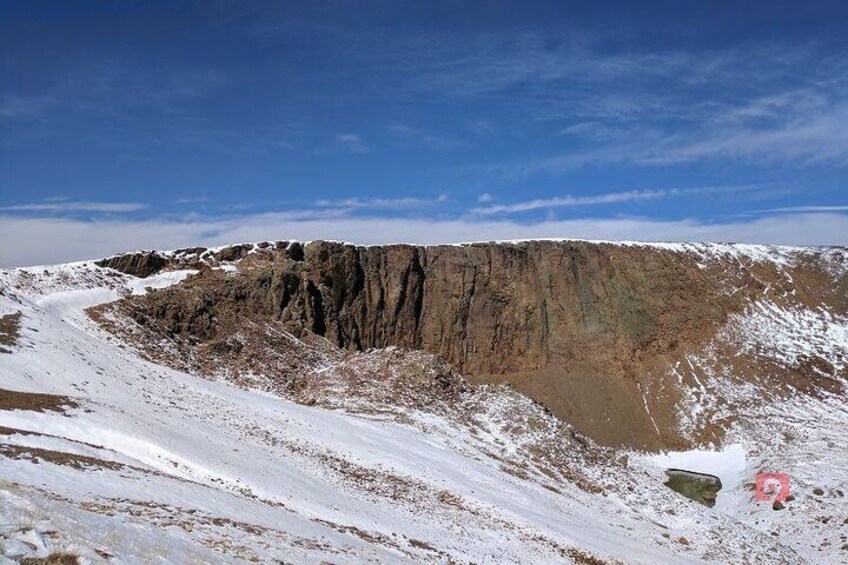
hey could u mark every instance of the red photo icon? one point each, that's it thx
(772, 487)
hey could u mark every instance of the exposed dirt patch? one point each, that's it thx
(368, 537)
(581, 557)
(251, 347)
(4, 431)
(214, 532)
(573, 554)
(386, 381)
(35, 402)
(10, 327)
(421, 544)
(52, 559)
(36, 455)
(15, 431)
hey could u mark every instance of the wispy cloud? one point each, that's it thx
(113, 87)
(799, 133)
(533, 62)
(61, 205)
(564, 201)
(351, 142)
(599, 199)
(805, 127)
(381, 203)
(492, 63)
(424, 138)
(801, 209)
(192, 200)
(22, 107)
(619, 103)
(49, 240)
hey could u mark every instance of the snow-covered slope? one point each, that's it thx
(131, 461)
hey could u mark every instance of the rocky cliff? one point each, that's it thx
(584, 328)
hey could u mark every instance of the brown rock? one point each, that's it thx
(584, 328)
(141, 264)
(233, 252)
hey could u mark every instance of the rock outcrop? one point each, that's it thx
(141, 264)
(581, 327)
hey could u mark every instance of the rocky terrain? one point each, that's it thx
(471, 403)
(587, 329)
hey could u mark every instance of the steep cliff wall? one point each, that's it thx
(585, 328)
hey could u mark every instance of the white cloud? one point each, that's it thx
(608, 198)
(352, 142)
(380, 203)
(485, 197)
(793, 209)
(798, 128)
(192, 200)
(52, 240)
(62, 205)
(803, 134)
(564, 201)
(760, 103)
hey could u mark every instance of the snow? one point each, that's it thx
(789, 335)
(728, 464)
(777, 254)
(301, 475)
(777, 427)
(648, 410)
(159, 280)
(214, 473)
(70, 305)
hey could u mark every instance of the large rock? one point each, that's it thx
(140, 264)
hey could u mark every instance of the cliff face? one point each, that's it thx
(585, 328)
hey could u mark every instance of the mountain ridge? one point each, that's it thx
(582, 327)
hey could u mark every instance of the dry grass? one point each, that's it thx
(583, 558)
(16, 400)
(36, 455)
(10, 326)
(52, 559)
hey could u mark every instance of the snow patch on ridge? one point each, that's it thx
(790, 336)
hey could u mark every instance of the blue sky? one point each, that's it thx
(128, 125)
